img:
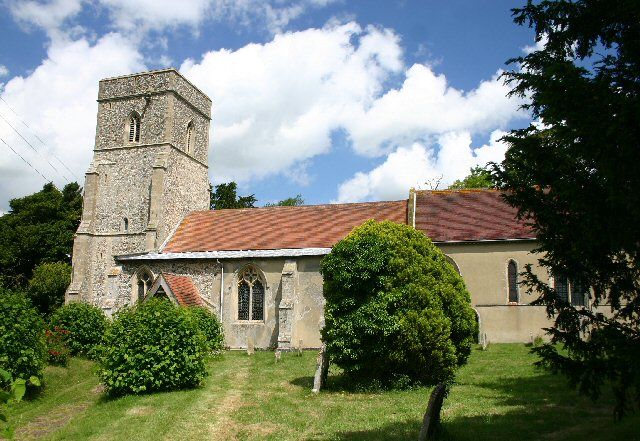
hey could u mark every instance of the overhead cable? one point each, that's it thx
(25, 161)
(33, 148)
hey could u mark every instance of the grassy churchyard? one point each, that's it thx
(499, 395)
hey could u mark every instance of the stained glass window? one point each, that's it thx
(513, 281)
(561, 286)
(250, 295)
(257, 301)
(244, 293)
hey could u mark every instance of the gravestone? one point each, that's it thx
(484, 342)
(250, 345)
(322, 370)
(431, 418)
(300, 348)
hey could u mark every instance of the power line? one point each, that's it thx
(36, 136)
(25, 161)
(33, 148)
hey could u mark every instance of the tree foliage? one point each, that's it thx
(574, 177)
(23, 351)
(479, 177)
(39, 228)
(226, 196)
(48, 285)
(396, 311)
(295, 201)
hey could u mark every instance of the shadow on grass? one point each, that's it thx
(396, 431)
(340, 383)
(523, 408)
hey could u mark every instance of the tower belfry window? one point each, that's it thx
(190, 138)
(134, 129)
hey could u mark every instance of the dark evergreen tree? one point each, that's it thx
(575, 177)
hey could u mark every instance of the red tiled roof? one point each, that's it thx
(467, 215)
(310, 226)
(182, 287)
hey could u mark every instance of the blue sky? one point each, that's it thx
(336, 100)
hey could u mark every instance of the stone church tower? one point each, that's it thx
(149, 170)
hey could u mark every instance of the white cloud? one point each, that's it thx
(139, 15)
(58, 101)
(276, 104)
(49, 15)
(3, 71)
(417, 164)
(424, 106)
(136, 17)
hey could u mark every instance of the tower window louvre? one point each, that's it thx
(190, 138)
(134, 129)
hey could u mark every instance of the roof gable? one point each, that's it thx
(180, 289)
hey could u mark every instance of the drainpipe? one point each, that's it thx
(221, 287)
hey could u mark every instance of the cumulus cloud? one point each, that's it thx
(417, 165)
(58, 100)
(3, 71)
(49, 15)
(276, 104)
(140, 16)
(425, 105)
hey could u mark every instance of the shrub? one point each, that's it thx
(210, 327)
(57, 351)
(86, 325)
(48, 284)
(396, 311)
(23, 351)
(152, 346)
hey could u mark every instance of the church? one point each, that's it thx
(147, 230)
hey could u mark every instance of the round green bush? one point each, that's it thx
(210, 327)
(152, 346)
(86, 325)
(396, 311)
(23, 351)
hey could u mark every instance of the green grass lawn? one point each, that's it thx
(498, 396)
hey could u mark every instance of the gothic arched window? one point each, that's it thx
(579, 294)
(250, 295)
(134, 128)
(190, 138)
(561, 285)
(512, 277)
(145, 278)
(125, 224)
